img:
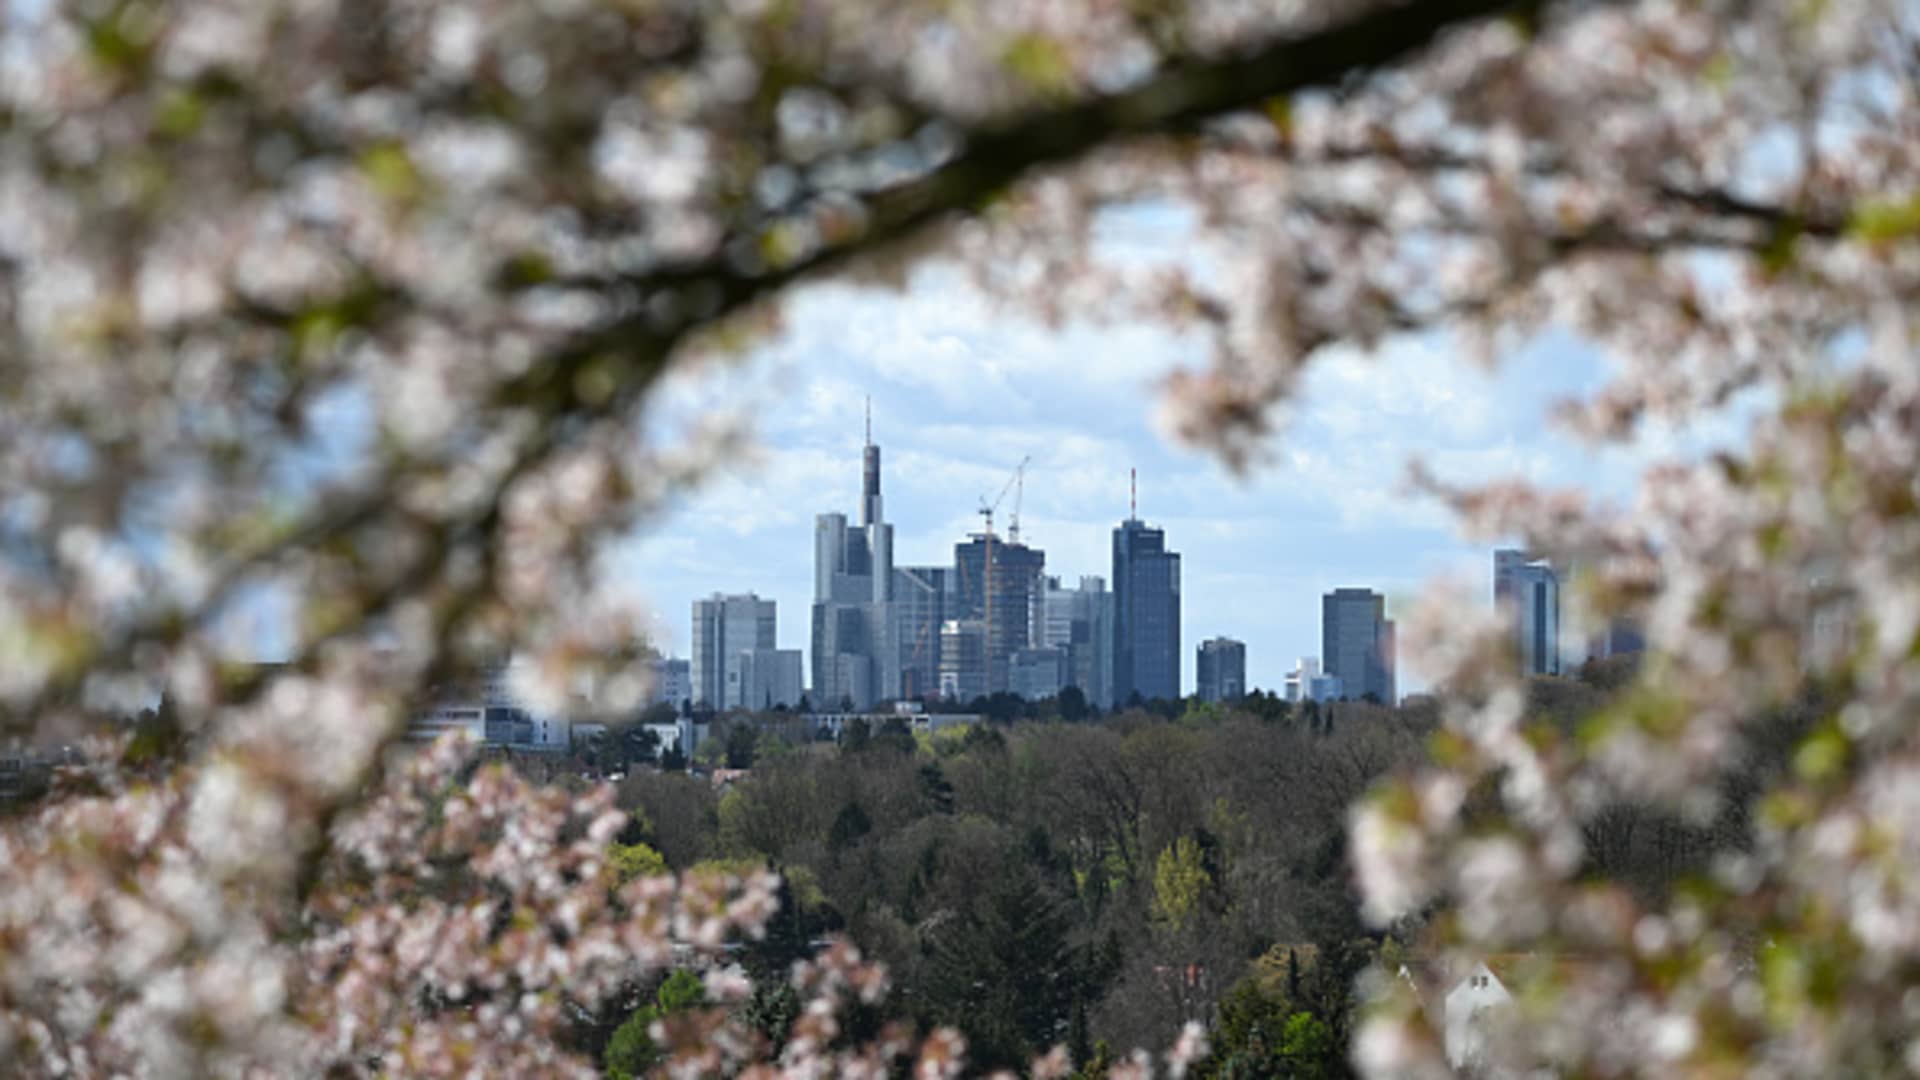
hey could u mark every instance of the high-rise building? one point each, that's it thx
(1526, 592)
(1017, 578)
(723, 628)
(853, 583)
(1146, 623)
(1356, 642)
(922, 596)
(963, 659)
(1035, 674)
(765, 678)
(1220, 670)
(672, 682)
(1080, 621)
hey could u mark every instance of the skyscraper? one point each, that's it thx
(1081, 622)
(723, 628)
(1356, 642)
(922, 596)
(1018, 576)
(854, 650)
(1526, 591)
(1220, 670)
(1146, 624)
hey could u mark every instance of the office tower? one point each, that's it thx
(1526, 592)
(963, 659)
(1018, 575)
(764, 678)
(853, 584)
(1035, 674)
(1220, 670)
(1081, 622)
(921, 597)
(1356, 642)
(672, 682)
(1146, 623)
(723, 628)
(1308, 683)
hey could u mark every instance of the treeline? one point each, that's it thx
(1094, 883)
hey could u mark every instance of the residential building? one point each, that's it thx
(1080, 621)
(1146, 624)
(1356, 642)
(723, 628)
(1220, 670)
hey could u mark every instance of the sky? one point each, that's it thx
(961, 391)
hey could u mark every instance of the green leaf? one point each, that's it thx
(1040, 62)
(1880, 221)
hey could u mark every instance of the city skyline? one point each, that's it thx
(961, 396)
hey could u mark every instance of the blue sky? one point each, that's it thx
(962, 391)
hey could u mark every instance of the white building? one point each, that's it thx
(1307, 682)
(1471, 1009)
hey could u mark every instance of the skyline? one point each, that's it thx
(961, 394)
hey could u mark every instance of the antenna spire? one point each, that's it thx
(869, 419)
(1133, 494)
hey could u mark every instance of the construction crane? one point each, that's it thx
(986, 585)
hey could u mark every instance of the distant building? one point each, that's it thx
(1146, 625)
(1356, 642)
(963, 659)
(922, 598)
(1080, 621)
(1220, 670)
(1037, 673)
(1307, 682)
(1018, 576)
(1526, 592)
(853, 582)
(672, 682)
(723, 628)
(766, 678)
(487, 709)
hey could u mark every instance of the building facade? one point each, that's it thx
(1080, 621)
(1220, 670)
(766, 678)
(1146, 625)
(922, 598)
(854, 648)
(963, 659)
(1356, 643)
(723, 628)
(1526, 593)
(672, 682)
(1002, 599)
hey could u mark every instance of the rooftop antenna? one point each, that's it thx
(1133, 494)
(869, 419)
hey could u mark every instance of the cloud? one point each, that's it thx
(962, 391)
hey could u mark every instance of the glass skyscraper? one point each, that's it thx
(1146, 625)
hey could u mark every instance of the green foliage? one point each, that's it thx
(741, 742)
(631, 1052)
(631, 861)
(1179, 880)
